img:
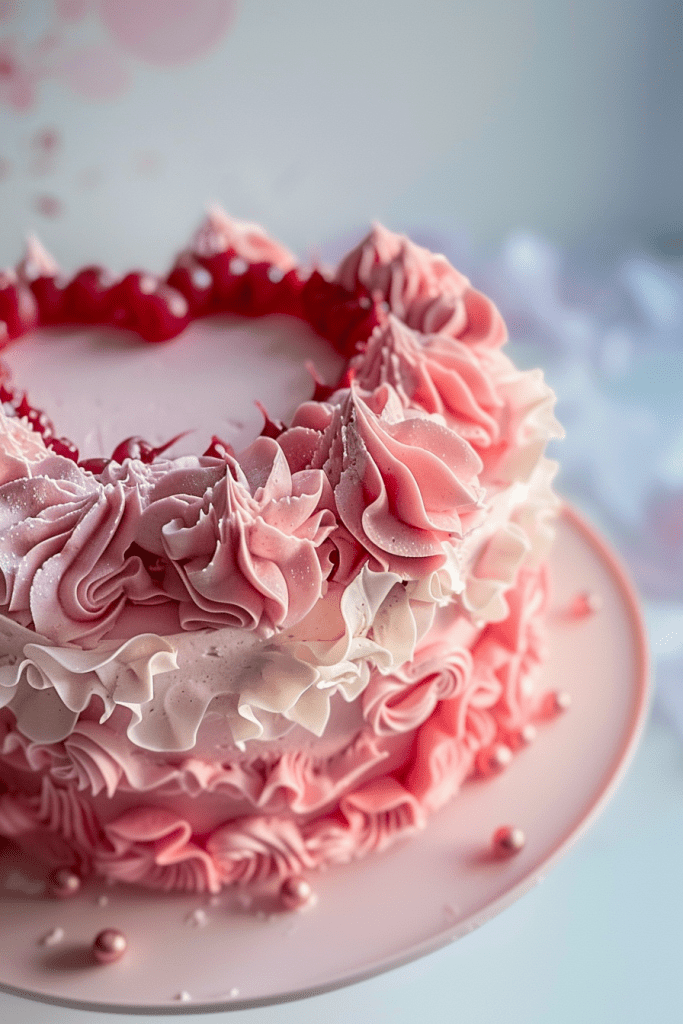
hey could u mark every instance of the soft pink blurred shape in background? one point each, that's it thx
(19, 75)
(72, 10)
(167, 32)
(159, 32)
(94, 72)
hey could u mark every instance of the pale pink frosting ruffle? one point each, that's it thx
(248, 241)
(97, 758)
(154, 846)
(448, 742)
(21, 449)
(527, 422)
(368, 820)
(247, 553)
(514, 650)
(55, 826)
(64, 539)
(252, 849)
(421, 288)
(402, 485)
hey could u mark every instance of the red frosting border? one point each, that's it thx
(158, 309)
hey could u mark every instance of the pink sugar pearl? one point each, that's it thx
(109, 946)
(296, 893)
(508, 840)
(64, 883)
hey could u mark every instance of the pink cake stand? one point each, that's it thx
(191, 954)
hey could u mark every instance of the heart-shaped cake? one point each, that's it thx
(272, 557)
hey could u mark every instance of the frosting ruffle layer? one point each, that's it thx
(460, 702)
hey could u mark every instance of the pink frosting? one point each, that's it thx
(368, 820)
(255, 848)
(421, 288)
(56, 825)
(514, 650)
(247, 553)
(153, 846)
(449, 740)
(433, 373)
(403, 485)
(400, 702)
(167, 488)
(97, 758)
(21, 449)
(64, 539)
(220, 233)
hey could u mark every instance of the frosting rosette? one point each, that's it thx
(21, 448)
(258, 847)
(437, 374)
(421, 288)
(247, 553)
(403, 485)
(64, 540)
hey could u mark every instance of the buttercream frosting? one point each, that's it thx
(231, 667)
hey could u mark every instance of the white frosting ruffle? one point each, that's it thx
(47, 687)
(169, 684)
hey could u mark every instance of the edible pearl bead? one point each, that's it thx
(64, 883)
(501, 755)
(585, 604)
(528, 733)
(508, 840)
(109, 946)
(562, 700)
(296, 893)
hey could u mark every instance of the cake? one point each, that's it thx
(246, 661)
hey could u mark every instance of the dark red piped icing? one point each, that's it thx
(138, 448)
(87, 297)
(159, 309)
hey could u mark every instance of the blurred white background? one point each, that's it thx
(470, 116)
